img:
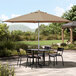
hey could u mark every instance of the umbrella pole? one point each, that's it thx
(38, 35)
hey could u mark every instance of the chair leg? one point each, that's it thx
(54, 62)
(18, 61)
(49, 60)
(30, 61)
(27, 62)
(62, 60)
(37, 62)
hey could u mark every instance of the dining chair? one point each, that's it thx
(31, 55)
(55, 54)
(60, 53)
(19, 57)
(52, 55)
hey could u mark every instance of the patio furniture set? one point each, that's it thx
(34, 56)
(39, 17)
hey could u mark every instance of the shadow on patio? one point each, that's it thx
(67, 64)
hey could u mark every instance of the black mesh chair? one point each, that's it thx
(31, 55)
(55, 55)
(28, 56)
(52, 55)
(19, 57)
(60, 53)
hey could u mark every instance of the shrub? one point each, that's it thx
(33, 47)
(6, 47)
(52, 37)
(7, 44)
(23, 46)
(32, 38)
(14, 52)
(20, 38)
(55, 46)
(6, 70)
(42, 37)
(5, 52)
(63, 44)
(71, 46)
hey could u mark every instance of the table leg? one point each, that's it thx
(44, 58)
(33, 58)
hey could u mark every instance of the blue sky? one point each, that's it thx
(13, 8)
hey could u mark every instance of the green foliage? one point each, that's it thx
(71, 46)
(54, 46)
(55, 28)
(6, 47)
(23, 46)
(3, 32)
(5, 52)
(17, 35)
(63, 44)
(14, 53)
(70, 14)
(51, 31)
(7, 44)
(33, 47)
(22, 36)
(52, 37)
(6, 70)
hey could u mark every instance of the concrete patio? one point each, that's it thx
(69, 68)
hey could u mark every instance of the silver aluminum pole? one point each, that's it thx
(38, 35)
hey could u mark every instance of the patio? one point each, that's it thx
(68, 69)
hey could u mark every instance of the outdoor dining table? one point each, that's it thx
(40, 50)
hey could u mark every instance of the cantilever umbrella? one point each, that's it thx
(37, 17)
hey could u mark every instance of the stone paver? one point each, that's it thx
(69, 69)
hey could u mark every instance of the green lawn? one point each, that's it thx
(45, 42)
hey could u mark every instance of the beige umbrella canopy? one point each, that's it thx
(37, 17)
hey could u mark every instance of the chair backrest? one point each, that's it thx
(47, 47)
(18, 51)
(60, 50)
(28, 52)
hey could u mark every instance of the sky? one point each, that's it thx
(14, 8)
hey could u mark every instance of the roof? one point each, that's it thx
(40, 16)
(68, 25)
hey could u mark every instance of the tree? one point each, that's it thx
(70, 14)
(41, 28)
(55, 28)
(3, 32)
(50, 31)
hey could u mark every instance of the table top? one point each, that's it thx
(39, 49)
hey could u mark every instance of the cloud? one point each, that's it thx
(69, 7)
(3, 17)
(14, 15)
(59, 11)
